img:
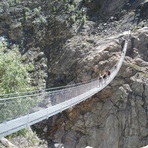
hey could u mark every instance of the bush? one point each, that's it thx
(40, 20)
(14, 77)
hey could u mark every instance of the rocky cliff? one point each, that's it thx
(74, 41)
(117, 116)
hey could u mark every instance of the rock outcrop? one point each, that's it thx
(115, 117)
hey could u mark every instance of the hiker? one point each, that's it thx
(108, 72)
(104, 77)
(100, 80)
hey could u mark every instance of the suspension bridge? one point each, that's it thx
(21, 110)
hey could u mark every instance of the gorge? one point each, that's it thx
(71, 41)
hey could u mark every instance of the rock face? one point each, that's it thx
(50, 27)
(66, 49)
(117, 116)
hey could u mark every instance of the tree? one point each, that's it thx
(14, 77)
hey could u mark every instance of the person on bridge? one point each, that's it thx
(108, 72)
(104, 77)
(100, 80)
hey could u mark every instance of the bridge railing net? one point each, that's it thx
(14, 107)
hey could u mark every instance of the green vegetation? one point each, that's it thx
(35, 16)
(142, 23)
(37, 11)
(135, 66)
(83, 19)
(142, 74)
(22, 132)
(132, 13)
(54, 8)
(73, 18)
(17, 1)
(14, 77)
(31, 137)
(40, 20)
(72, 10)
(13, 3)
(134, 28)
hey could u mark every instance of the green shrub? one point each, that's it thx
(73, 18)
(14, 74)
(37, 11)
(71, 8)
(134, 28)
(40, 20)
(17, 1)
(30, 136)
(27, 9)
(54, 8)
(14, 77)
